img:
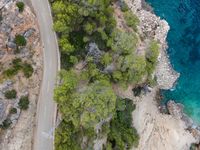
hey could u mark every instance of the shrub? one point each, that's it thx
(131, 20)
(194, 146)
(122, 135)
(23, 102)
(153, 52)
(10, 72)
(13, 110)
(6, 124)
(123, 42)
(106, 59)
(17, 63)
(20, 40)
(27, 70)
(124, 6)
(20, 6)
(152, 56)
(10, 94)
(137, 90)
(16, 66)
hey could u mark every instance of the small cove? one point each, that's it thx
(183, 40)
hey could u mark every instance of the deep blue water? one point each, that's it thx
(183, 40)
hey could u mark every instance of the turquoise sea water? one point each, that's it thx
(183, 40)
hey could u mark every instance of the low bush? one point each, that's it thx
(16, 66)
(6, 124)
(10, 94)
(23, 102)
(13, 110)
(10, 72)
(20, 40)
(131, 20)
(124, 6)
(20, 6)
(27, 70)
(152, 56)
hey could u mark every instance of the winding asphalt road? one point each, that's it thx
(46, 108)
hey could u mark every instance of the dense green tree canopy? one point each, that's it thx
(95, 98)
(123, 42)
(84, 107)
(86, 95)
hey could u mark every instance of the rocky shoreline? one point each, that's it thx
(176, 110)
(167, 76)
(171, 130)
(153, 27)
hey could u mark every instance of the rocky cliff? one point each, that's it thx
(152, 26)
(158, 131)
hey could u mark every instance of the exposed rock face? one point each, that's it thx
(175, 109)
(11, 45)
(110, 68)
(19, 135)
(2, 53)
(3, 3)
(94, 52)
(29, 32)
(98, 144)
(159, 131)
(2, 111)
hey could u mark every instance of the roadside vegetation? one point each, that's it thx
(17, 66)
(17, 62)
(6, 124)
(23, 102)
(10, 94)
(95, 56)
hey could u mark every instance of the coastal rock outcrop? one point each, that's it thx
(153, 27)
(175, 109)
(159, 131)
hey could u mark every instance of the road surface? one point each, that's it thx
(46, 108)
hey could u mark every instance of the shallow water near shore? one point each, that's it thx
(183, 40)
